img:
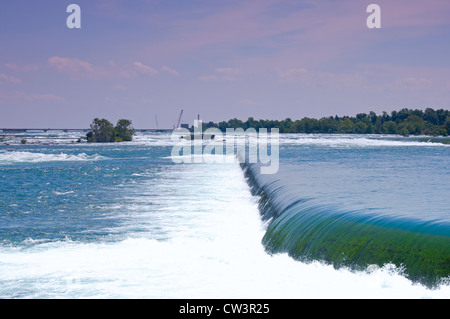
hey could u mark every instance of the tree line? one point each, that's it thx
(404, 122)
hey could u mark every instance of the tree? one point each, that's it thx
(102, 131)
(404, 131)
(447, 125)
(373, 117)
(442, 116)
(124, 131)
(431, 116)
(346, 126)
(390, 127)
(361, 128)
(415, 124)
(404, 122)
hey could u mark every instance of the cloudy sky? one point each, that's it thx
(270, 59)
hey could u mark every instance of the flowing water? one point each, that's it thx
(345, 217)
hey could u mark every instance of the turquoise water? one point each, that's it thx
(123, 220)
(356, 203)
(65, 192)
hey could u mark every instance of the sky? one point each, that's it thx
(268, 59)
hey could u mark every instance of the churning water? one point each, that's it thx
(345, 217)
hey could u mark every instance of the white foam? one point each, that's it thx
(63, 193)
(194, 268)
(31, 157)
(164, 139)
(346, 140)
(213, 250)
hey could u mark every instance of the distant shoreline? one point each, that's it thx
(405, 122)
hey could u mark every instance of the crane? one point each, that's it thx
(179, 119)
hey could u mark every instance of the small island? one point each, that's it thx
(103, 131)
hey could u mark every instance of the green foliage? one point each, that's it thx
(103, 131)
(447, 125)
(404, 122)
(124, 131)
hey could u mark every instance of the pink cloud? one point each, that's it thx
(4, 78)
(291, 74)
(79, 69)
(74, 67)
(224, 24)
(169, 70)
(17, 96)
(221, 74)
(315, 33)
(144, 69)
(319, 32)
(70, 64)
